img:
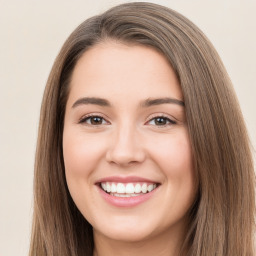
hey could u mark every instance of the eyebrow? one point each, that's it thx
(92, 100)
(153, 102)
(147, 103)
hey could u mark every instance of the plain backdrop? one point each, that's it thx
(31, 35)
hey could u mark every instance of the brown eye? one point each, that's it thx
(93, 120)
(96, 120)
(161, 121)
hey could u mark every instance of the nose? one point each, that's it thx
(125, 148)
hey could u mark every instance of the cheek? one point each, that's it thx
(174, 158)
(81, 154)
(179, 158)
(173, 154)
(175, 161)
(81, 159)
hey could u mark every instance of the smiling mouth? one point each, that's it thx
(118, 189)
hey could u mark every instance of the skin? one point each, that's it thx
(128, 141)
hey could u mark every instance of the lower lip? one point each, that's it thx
(126, 201)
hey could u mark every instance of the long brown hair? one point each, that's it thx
(222, 217)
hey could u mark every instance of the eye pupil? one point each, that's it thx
(96, 120)
(160, 121)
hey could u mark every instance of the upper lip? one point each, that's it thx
(125, 179)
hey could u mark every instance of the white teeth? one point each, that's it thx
(108, 187)
(150, 187)
(120, 188)
(113, 188)
(103, 185)
(137, 188)
(144, 188)
(124, 195)
(129, 189)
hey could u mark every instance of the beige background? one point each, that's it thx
(31, 34)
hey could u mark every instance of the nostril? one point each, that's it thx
(125, 157)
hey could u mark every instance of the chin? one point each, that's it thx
(128, 236)
(126, 231)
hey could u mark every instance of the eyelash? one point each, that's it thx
(167, 121)
(165, 118)
(89, 117)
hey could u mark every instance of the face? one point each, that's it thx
(126, 149)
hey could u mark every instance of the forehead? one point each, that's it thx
(114, 70)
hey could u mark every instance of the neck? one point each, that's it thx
(167, 244)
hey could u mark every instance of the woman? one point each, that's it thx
(142, 148)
